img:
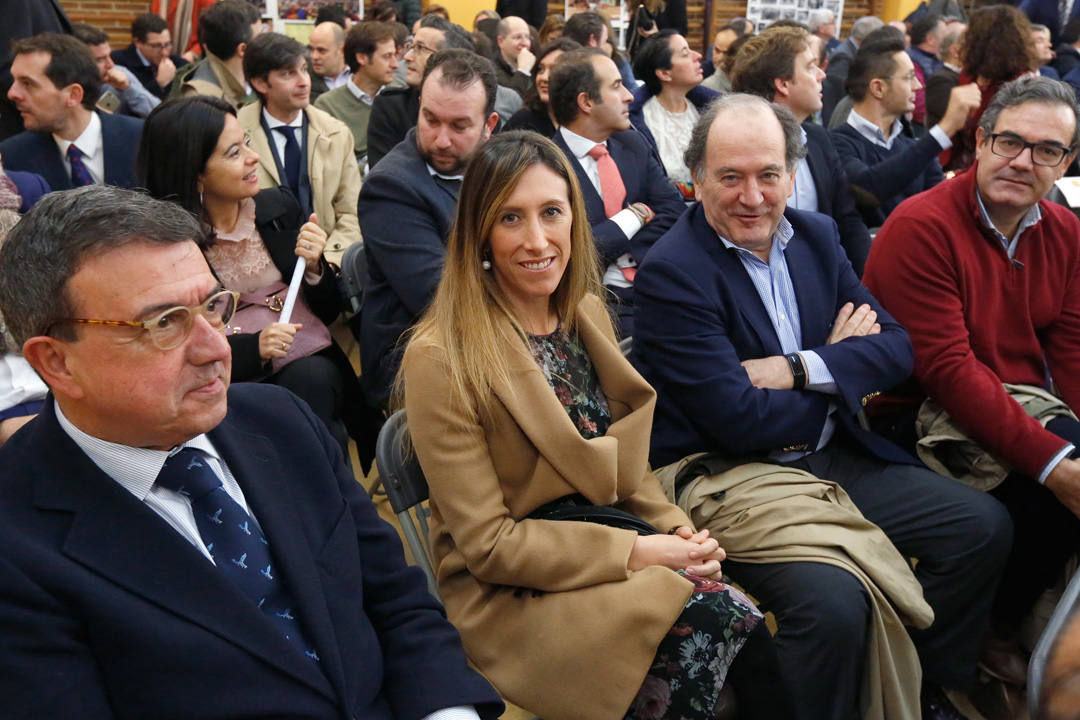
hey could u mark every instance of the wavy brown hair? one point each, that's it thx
(997, 45)
(469, 306)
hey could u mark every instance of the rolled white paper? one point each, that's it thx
(294, 289)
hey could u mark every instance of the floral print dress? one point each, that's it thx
(692, 660)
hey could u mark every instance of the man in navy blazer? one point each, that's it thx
(762, 343)
(116, 603)
(592, 108)
(56, 86)
(407, 204)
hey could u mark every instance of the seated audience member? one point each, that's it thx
(940, 84)
(832, 87)
(587, 28)
(149, 55)
(718, 80)
(822, 24)
(23, 18)
(407, 204)
(372, 55)
(299, 146)
(225, 29)
(484, 14)
(22, 393)
(629, 200)
(1067, 53)
(394, 111)
(998, 47)
(531, 11)
(666, 107)
(779, 65)
(762, 344)
(552, 29)
(194, 554)
(536, 115)
(842, 110)
(513, 59)
(195, 151)
(183, 19)
(495, 546)
(880, 156)
(926, 34)
(66, 141)
(121, 91)
(330, 68)
(1044, 52)
(978, 272)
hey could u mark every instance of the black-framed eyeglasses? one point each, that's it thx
(1008, 145)
(171, 327)
(417, 47)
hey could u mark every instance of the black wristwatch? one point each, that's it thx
(797, 370)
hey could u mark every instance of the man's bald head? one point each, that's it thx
(327, 43)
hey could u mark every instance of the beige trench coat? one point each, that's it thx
(580, 649)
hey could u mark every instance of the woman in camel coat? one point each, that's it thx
(517, 396)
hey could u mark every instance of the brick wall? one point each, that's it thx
(112, 16)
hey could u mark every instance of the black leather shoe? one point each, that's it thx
(936, 706)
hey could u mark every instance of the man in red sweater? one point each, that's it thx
(985, 276)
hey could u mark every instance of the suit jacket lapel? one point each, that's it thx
(594, 204)
(603, 463)
(268, 493)
(260, 143)
(742, 287)
(813, 304)
(123, 540)
(49, 163)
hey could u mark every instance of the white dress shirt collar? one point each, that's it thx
(872, 132)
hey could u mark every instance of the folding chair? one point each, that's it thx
(406, 488)
(1066, 607)
(353, 274)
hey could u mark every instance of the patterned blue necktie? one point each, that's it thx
(235, 542)
(291, 161)
(80, 175)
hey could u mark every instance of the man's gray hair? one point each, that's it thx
(819, 17)
(1032, 89)
(950, 38)
(740, 103)
(46, 248)
(864, 26)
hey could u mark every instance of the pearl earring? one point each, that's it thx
(486, 264)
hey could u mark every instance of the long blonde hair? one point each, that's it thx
(464, 317)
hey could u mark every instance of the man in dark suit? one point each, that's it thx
(1048, 13)
(761, 342)
(780, 66)
(407, 205)
(394, 111)
(148, 56)
(836, 70)
(166, 552)
(66, 141)
(628, 197)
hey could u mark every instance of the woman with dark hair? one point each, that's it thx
(666, 108)
(998, 47)
(194, 152)
(536, 113)
(578, 589)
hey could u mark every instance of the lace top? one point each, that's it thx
(240, 257)
(672, 133)
(570, 372)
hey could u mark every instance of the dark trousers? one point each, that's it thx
(317, 380)
(621, 304)
(1047, 535)
(961, 538)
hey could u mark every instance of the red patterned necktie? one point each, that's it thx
(611, 184)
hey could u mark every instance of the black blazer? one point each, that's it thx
(37, 152)
(834, 194)
(393, 114)
(22, 19)
(104, 597)
(278, 219)
(405, 217)
(645, 181)
(146, 74)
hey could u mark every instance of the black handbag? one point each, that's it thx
(576, 507)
